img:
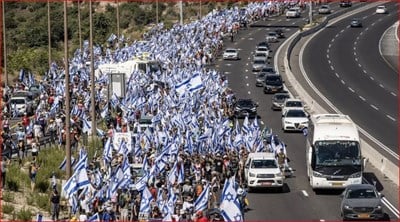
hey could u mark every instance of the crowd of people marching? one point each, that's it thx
(194, 150)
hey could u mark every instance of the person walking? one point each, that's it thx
(55, 204)
(32, 175)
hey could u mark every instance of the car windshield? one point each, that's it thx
(280, 96)
(272, 34)
(363, 193)
(231, 50)
(245, 103)
(259, 62)
(261, 76)
(268, 69)
(274, 79)
(296, 113)
(17, 101)
(262, 164)
(294, 104)
(381, 7)
(262, 49)
(336, 152)
(260, 55)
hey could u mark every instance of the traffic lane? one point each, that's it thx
(296, 151)
(318, 69)
(345, 63)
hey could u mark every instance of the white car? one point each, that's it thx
(262, 49)
(381, 9)
(294, 119)
(292, 13)
(231, 54)
(271, 37)
(292, 103)
(21, 105)
(262, 171)
(324, 9)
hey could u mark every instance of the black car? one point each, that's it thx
(278, 99)
(280, 33)
(268, 69)
(345, 4)
(245, 107)
(273, 83)
(264, 44)
(355, 23)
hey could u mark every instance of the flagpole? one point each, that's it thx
(4, 43)
(118, 34)
(49, 33)
(92, 92)
(157, 12)
(79, 26)
(180, 12)
(67, 96)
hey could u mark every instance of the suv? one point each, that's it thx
(273, 83)
(21, 105)
(245, 107)
(262, 171)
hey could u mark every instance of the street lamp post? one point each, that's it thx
(180, 13)
(118, 34)
(156, 11)
(67, 97)
(79, 26)
(4, 44)
(49, 33)
(92, 93)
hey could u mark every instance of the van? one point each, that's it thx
(273, 83)
(262, 171)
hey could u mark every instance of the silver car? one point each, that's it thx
(260, 56)
(231, 54)
(361, 201)
(260, 79)
(272, 37)
(324, 9)
(258, 65)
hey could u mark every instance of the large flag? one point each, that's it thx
(201, 202)
(145, 202)
(230, 206)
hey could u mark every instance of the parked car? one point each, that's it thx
(273, 83)
(292, 13)
(324, 9)
(258, 65)
(294, 119)
(355, 23)
(245, 107)
(260, 79)
(271, 37)
(278, 99)
(381, 9)
(363, 202)
(232, 54)
(345, 4)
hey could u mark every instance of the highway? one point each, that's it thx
(346, 66)
(298, 201)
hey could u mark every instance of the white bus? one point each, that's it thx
(333, 152)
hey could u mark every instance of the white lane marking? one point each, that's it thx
(304, 193)
(242, 38)
(373, 24)
(359, 65)
(381, 86)
(337, 35)
(364, 71)
(352, 90)
(393, 119)
(361, 33)
(332, 68)
(327, 56)
(362, 98)
(247, 84)
(354, 53)
(337, 75)
(217, 66)
(342, 82)
(228, 64)
(246, 77)
(327, 51)
(356, 60)
(293, 23)
(373, 106)
(248, 58)
(342, 30)
(251, 39)
(365, 17)
(329, 45)
(247, 64)
(227, 73)
(249, 92)
(262, 122)
(333, 40)
(366, 28)
(393, 94)
(354, 48)
(329, 61)
(358, 37)
(246, 70)
(372, 78)
(355, 43)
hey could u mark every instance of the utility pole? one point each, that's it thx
(67, 97)
(157, 12)
(180, 12)
(92, 93)
(310, 13)
(79, 26)
(49, 32)
(200, 9)
(4, 43)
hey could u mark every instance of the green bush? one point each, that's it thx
(8, 197)
(43, 202)
(42, 186)
(30, 199)
(12, 184)
(16, 177)
(7, 208)
(24, 215)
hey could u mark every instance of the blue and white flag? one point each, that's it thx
(201, 202)
(147, 198)
(195, 83)
(230, 206)
(64, 163)
(39, 218)
(94, 218)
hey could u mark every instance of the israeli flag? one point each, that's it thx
(147, 198)
(195, 83)
(201, 202)
(230, 206)
(94, 218)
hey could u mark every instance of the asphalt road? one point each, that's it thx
(298, 202)
(346, 66)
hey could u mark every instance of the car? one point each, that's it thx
(261, 170)
(260, 56)
(271, 37)
(35, 90)
(268, 69)
(278, 99)
(324, 9)
(21, 105)
(260, 79)
(262, 49)
(263, 45)
(292, 13)
(362, 202)
(381, 9)
(137, 171)
(273, 83)
(355, 23)
(292, 103)
(231, 54)
(245, 107)
(280, 33)
(294, 119)
(258, 65)
(345, 4)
